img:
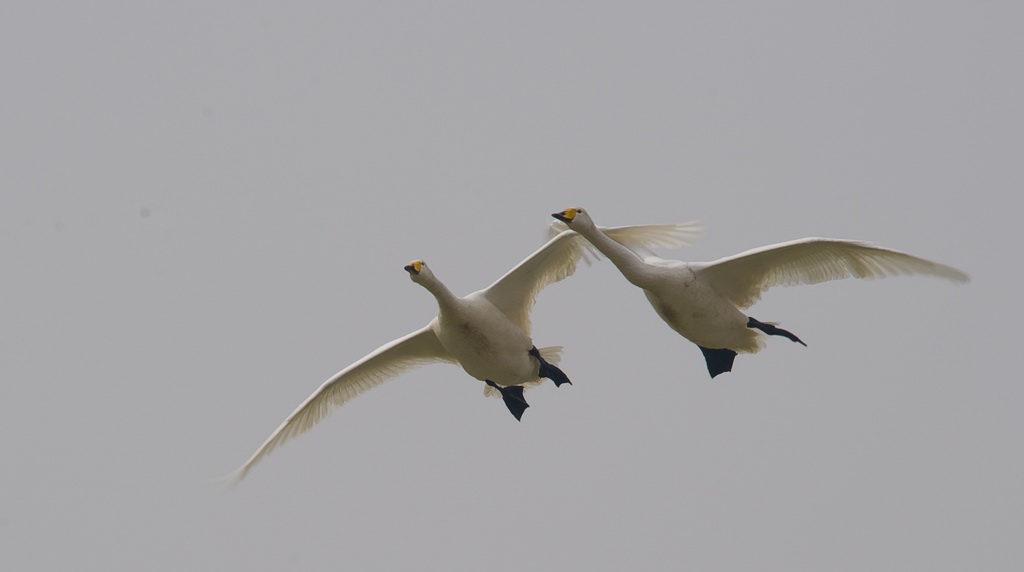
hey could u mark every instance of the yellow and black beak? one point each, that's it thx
(414, 267)
(566, 216)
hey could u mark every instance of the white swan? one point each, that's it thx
(486, 332)
(702, 300)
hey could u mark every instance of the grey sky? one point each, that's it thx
(205, 210)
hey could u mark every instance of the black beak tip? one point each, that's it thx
(561, 217)
(409, 268)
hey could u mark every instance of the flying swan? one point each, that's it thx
(485, 332)
(702, 300)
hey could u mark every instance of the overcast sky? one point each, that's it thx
(205, 209)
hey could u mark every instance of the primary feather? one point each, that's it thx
(741, 278)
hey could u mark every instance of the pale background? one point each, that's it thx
(205, 209)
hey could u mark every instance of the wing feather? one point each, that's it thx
(516, 291)
(743, 277)
(641, 238)
(417, 348)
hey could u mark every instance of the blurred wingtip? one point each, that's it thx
(228, 482)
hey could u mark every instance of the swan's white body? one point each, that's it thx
(486, 332)
(694, 309)
(702, 301)
(482, 339)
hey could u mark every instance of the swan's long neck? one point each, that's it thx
(445, 298)
(629, 264)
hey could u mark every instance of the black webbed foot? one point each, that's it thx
(549, 371)
(513, 398)
(719, 360)
(773, 330)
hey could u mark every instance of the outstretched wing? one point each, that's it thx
(642, 238)
(741, 278)
(387, 361)
(515, 292)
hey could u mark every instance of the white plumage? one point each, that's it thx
(702, 300)
(486, 332)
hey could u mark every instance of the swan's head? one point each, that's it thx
(415, 267)
(418, 270)
(575, 218)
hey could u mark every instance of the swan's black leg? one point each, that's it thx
(773, 330)
(513, 398)
(719, 360)
(549, 371)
